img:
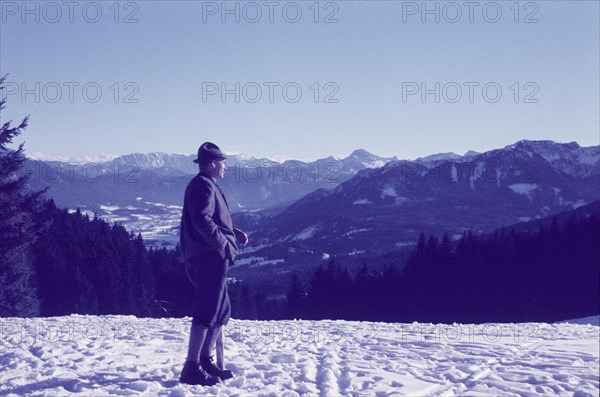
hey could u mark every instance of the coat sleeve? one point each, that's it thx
(202, 211)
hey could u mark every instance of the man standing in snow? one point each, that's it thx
(209, 244)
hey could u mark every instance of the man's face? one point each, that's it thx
(219, 169)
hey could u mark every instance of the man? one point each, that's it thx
(209, 244)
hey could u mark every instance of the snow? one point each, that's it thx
(254, 261)
(356, 252)
(589, 155)
(123, 355)
(525, 189)
(593, 320)
(163, 205)
(374, 163)
(264, 192)
(253, 248)
(454, 173)
(109, 208)
(142, 217)
(440, 157)
(268, 262)
(307, 233)
(401, 200)
(353, 231)
(362, 201)
(99, 158)
(388, 191)
(115, 218)
(479, 170)
(83, 212)
(477, 173)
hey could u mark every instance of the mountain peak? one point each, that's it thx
(362, 153)
(539, 144)
(568, 157)
(440, 156)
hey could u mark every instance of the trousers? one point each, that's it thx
(208, 274)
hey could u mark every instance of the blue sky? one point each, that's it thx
(375, 52)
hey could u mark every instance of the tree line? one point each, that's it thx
(549, 274)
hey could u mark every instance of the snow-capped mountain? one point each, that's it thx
(362, 204)
(145, 191)
(440, 157)
(569, 158)
(179, 164)
(174, 163)
(382, 210)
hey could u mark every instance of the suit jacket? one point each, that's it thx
(206, 225)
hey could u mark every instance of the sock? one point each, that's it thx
(197, 337)
(209, 342)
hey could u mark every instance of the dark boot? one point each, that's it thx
(209, 366)
(193, 374)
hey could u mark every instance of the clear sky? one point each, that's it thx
(372, 60)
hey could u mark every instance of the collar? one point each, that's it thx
(204, 174)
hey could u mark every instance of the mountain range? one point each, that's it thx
(381, 211)
(359, 207)
(145, 191)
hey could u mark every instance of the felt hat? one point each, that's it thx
(209, 151)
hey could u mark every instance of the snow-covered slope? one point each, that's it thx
(123, 355)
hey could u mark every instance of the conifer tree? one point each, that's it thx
(18, 228)
(295, 297)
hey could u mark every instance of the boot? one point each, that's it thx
(193, 374)
(207, 363)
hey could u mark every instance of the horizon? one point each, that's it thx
(101, 157)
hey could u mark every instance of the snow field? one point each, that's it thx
(124, 355)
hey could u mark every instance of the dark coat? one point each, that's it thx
(206, 224)
(208, 244)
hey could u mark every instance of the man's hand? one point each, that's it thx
(223, 252)
(240, 236)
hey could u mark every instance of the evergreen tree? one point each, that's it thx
(365, 292)
(295, 297)
(18, 229)
(445, 248)
(318, 294)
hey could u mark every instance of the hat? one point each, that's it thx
(209, 151)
